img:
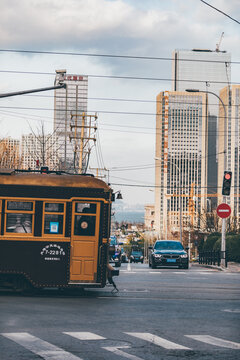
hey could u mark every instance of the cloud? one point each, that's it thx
(59, 23)
(124, 27)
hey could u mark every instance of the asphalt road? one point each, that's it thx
(157, 314)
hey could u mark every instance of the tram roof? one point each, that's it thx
(11, 177)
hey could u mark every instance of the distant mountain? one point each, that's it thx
(121, 206)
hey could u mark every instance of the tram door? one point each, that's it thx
(84, 241)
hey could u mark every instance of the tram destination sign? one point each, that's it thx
(223, 210)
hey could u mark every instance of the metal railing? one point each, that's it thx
(210, 258)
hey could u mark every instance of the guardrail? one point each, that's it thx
(210, 258)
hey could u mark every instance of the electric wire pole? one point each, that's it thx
(84, 131)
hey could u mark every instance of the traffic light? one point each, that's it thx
(226, 187)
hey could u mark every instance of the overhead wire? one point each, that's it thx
(103, 126)
(109, 55)
(148, 166)
(121, 99)
(125, 77)
(166, 187)
(222, 12)
(95, 111)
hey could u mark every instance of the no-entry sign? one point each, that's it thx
(223, 210)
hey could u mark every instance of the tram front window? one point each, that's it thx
(84, 225)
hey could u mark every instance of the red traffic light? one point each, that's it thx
(227, 179)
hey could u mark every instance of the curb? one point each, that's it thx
(212, 267)
(230, 268)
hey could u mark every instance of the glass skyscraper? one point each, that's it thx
(181, 166)
(203, 70)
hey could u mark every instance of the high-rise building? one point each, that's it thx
(41, 150)
(229, 141)
(181, 161)
(70, 106)
(204, 70)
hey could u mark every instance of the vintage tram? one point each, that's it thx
(54, 229)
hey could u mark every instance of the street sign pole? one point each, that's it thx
(223, 244)
(223, 211)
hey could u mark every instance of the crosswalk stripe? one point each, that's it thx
(84, 335)
(40, 347)
(215, 341)
(116, 351)
(156, 340)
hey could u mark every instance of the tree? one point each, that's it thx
(9, 153)
(39, 149)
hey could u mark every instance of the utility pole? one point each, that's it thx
(98, 170)
(84, 129)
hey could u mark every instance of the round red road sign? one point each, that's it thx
(223, 210)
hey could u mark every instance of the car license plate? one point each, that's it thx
(171, 260)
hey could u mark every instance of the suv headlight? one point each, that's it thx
(157, 255)
(141, 257)
(184, 255)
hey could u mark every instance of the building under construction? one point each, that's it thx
(72, 125)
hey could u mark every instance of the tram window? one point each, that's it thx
(53, 218)
(19, 223)
(53, 224)
(84, 225)
(19, 216)
(20, 205)
(54, 207)
(87, 208)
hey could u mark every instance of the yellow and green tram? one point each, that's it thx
(54, 229)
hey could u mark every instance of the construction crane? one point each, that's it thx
(191, 202)
(219, 43)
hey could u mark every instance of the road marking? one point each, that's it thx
(136, 291)
(116, 351)
(84, 335)
(178, 272)
(154, 272)
(207, 272)
(135, 270)
(128, 267)
(40, 347)
(232, 311)
(156, 340)
(215, 341)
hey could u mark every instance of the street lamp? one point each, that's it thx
(180, 193)
(223, 242)
(119, 195)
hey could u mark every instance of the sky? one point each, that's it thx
(121, 90)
